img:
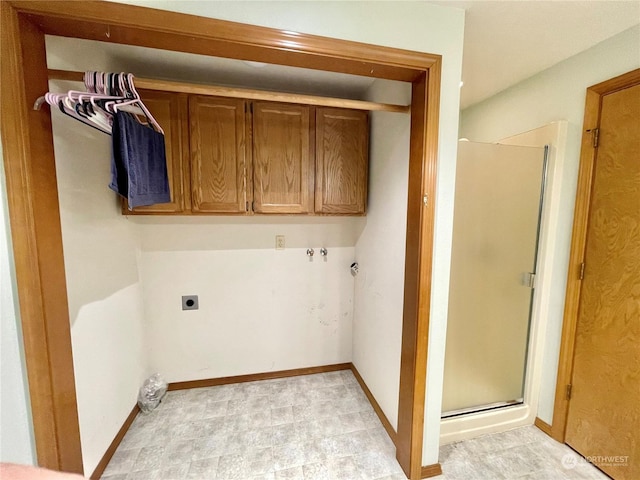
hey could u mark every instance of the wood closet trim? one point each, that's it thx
(32, 195)
(32, 190)
(542, 425)
(147, 27)
(429, 471)
(588, 153)
(425, 99)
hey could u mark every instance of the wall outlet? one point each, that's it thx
(279, 242)
(190, 302)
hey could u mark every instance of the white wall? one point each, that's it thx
(555, 94)
(380, 252)
(103, 286)
(101, 251)
(260, 309)
(16, 429)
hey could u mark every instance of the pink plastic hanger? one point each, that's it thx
(137, 101)
(117, 91)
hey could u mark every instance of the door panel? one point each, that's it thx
(282, 175)
(495, 233)
(342, 144)
(217, 154)
(604, 410)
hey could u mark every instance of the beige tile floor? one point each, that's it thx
(310, 427)
(524, 454)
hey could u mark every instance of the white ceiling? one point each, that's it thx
(506, 42)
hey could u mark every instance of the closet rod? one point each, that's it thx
(199, 89)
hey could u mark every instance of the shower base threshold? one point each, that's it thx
(481, 408)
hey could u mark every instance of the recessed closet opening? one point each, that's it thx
(261, 309)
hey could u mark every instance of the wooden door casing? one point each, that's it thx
(342, 151)
(282, 173)
(170, 110)
(217, 144)
(603, 410)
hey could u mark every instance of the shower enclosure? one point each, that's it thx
(498, 203)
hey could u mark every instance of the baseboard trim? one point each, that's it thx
(104, 461)
(212, 382)
(376, 407)
(429, 471)
(542, 425)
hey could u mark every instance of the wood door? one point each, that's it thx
(170, 110)
(604, 410)
(282, 174)
(217, 141)
(342, 161)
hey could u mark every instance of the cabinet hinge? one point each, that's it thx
(582, 271)
(569, 391)
(425, 200)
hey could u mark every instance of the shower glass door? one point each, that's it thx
(498, 200)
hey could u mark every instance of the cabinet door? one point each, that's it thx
(217, 140)
(282, 174)
(342, 159)
(170, 110)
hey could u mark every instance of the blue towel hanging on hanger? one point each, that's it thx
(138, 162)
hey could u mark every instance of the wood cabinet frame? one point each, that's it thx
(33, 201)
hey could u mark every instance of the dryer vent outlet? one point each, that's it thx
(189, 302)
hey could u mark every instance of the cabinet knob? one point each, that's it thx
(310, 252)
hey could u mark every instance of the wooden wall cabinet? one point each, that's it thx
(282, 168)
(217, 144)
(236, 157)
(342, 161)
